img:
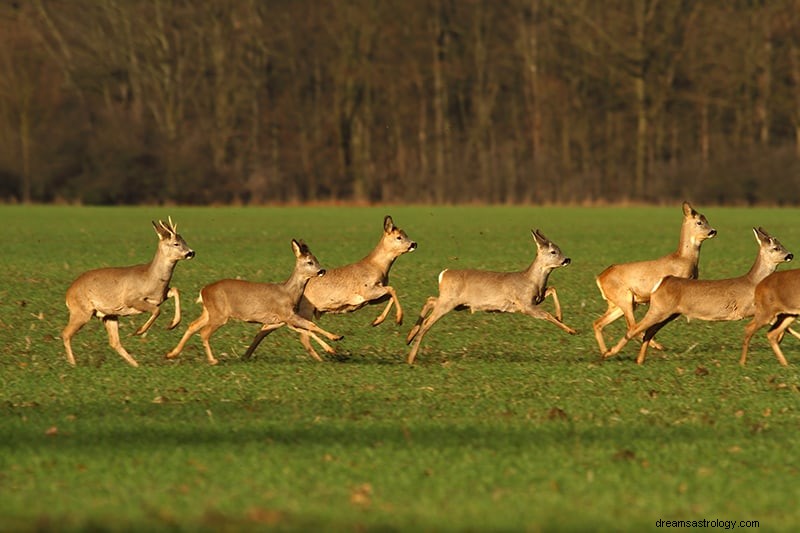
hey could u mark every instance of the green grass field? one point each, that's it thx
(504, 423)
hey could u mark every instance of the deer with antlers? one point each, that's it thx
(112, 292)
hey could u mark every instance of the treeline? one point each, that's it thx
(257, 101)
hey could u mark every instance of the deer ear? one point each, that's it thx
(160, 229)
(296, 248)
(688, 210)
(388, 224)
(761, 234)
(540, 239)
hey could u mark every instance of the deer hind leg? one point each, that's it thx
(205, 335)
(265, 330)
(436, 313)
(649, 334)
(430, 303)
(193, 328)
(775, 334)
(77, 319)
(112, 327)
(757, 323)
(652, 318)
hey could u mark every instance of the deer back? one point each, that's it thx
(349, 287)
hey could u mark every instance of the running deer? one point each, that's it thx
(110, 293)
(503, 292)
(777, 302)
(627, 285)
(270, 304)
(348, 288)
(713, 300)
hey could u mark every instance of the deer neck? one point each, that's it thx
(760, 270)
(161, 268)
(537, 274)
(689, 248)
(382, 259)
(295, 286)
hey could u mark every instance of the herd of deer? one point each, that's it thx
(669, 284)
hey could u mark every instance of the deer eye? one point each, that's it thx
(553, 252)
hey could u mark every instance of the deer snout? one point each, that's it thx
(412, 247)
(788, 257)
(189, 254)
(712, 233)
(321, 272)
(566, 261)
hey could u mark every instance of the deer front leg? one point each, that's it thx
(173, 293)
(305, 339)
(612, 313)
(551, 291)
(144, 306)
(296, 321)
(536, 312)
(387, 291)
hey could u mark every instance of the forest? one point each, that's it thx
(253, 102)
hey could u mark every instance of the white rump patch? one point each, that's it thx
(441, 274)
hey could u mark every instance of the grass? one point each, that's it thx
(504, 423)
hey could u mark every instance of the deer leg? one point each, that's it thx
(205, 335)
(265, 330)
(757, 323)
(112, 327)
(392, 300)
(430, 303)
(612, 313)
(146, 307)
(650, 319)
(649, 334)
(551, 291)
(77, 319)
(173, 293)
(438, 312)
(305, 338)
(794, 334)
(193, 328)
(306, 310)
(535, 312)
(775, 334)
(299, 322)
(380, 318)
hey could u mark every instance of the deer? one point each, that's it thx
(112, 292)
(624, 286)
(501, 292)
(777, 302)
(272, 305)
(711, 300)
(350, 287)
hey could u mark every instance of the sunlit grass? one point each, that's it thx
(504, 423)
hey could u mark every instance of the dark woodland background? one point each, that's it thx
(446, 101)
